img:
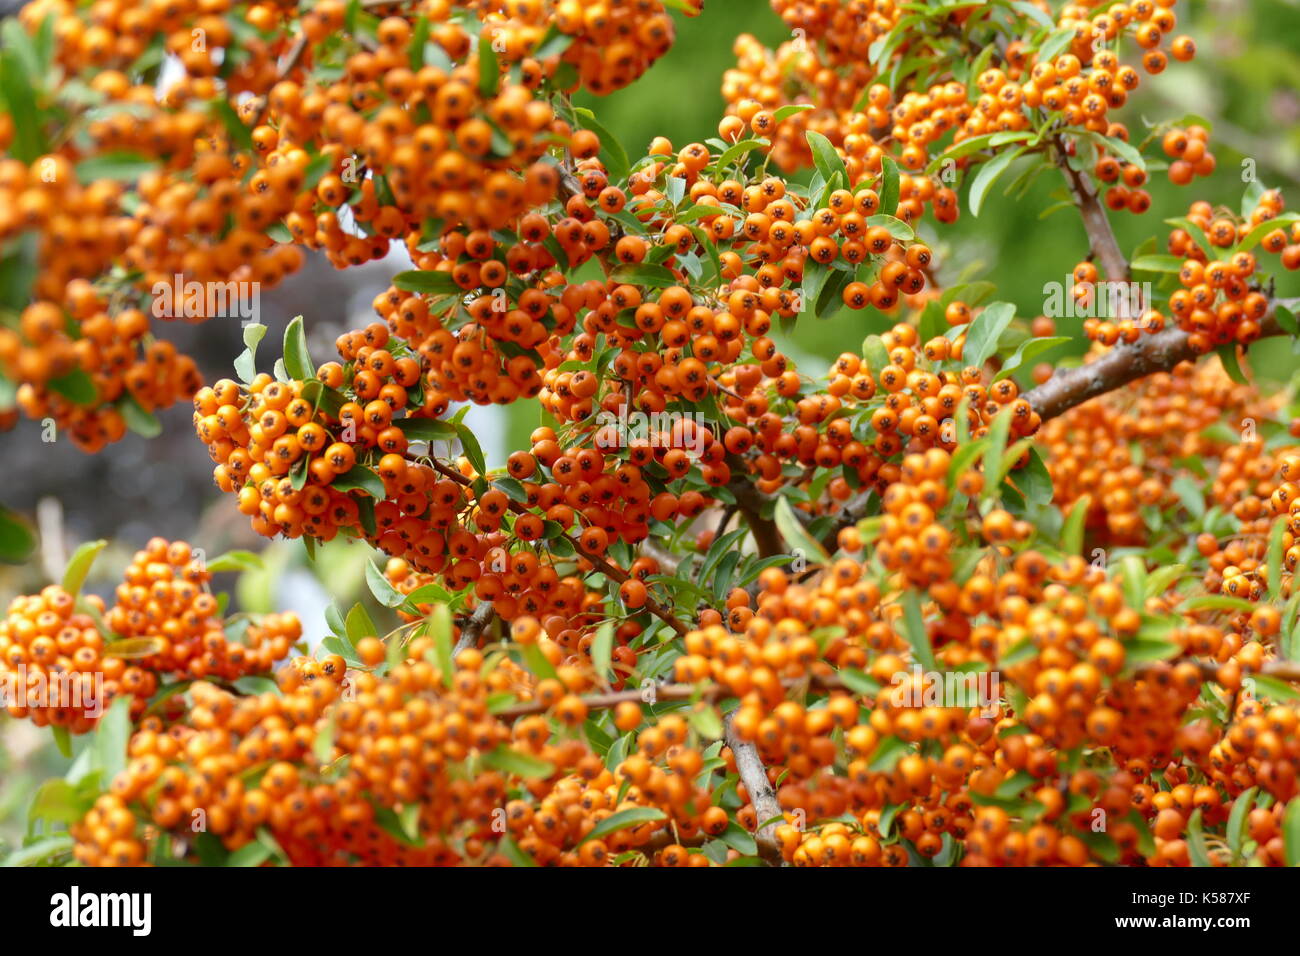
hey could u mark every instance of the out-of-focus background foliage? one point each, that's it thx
(1244, 81)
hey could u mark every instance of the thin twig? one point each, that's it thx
(1101, 238)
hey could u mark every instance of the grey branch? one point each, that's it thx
(754, 776)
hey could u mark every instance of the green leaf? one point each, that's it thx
(1228, 359)
(826, 158)
(360, 478)
(1018, 652)
(140, 421)
(974, 144)
(119, 167)
(511, 761)
(1273, 688)
(404, 829)
(57, 801)
(1286, 319)
(1196, 847)
(1034, 480)
(1291, 832)
(134, 648)
(245, 364)
(1028, 350)
(359, 624)
(966, 457)
(1252, 238)
(17, 541)
(897, 228)
(252, 853)
(785, 112)
(252, 334)
(612, 153)
(1133, 574)
(988, 175)
(874, 353)
(76, 386)
(795, 535)
(471, 448)
(1031, 11)
(810, 289)
(342, 647)
(1192, 229)
(1072, 532)
(297, 360)
(623, 819)
(914, 631)
(737, 150)
(739, 839)
(62, 740)
(707, 722)
(489, 68)
(1056, 43)
(1157, 263)
(428, 594)
(995, 458)
(419, 37)
(887, 754)
(727, 543)
(985, 330)
(236, 561)
(860, 683)
(39, 851)
(537, 663)
(74, 576)
(432, 282)
(650, 276)
(552, 43)
(439, 628)
(1216, 602)
(1275, 542)
(323, 744)
(112, 734)
(1160, 580)
(601, 648)
(1125, 151)
(20, 102)
(426, 429)
(384, 593)
(511, 851)
(240, 135)
(889, 186)
(1191, 495)
(1241, 808)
